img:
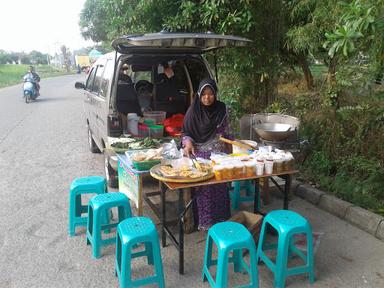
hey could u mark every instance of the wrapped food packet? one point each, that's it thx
(170, 151)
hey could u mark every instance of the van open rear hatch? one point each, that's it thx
(194, 43)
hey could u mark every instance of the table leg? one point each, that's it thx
(181, 231)
(163, 188)
(256, 201)
(287, 189)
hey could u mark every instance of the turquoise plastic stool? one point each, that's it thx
(79, 186)
(287, 224)
(97, 207)
(249, 188)
(229, 236)
(131, 232)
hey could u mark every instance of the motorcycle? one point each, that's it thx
(29, 89)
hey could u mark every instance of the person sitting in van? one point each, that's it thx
(167, 96)
(126, 99)
(123, 77)
(166, 84)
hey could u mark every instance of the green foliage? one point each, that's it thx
(359, 18)
(347, 152)
(33, 57)
(276, 107)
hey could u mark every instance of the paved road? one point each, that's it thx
(43, 146)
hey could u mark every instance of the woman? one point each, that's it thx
(206, 120)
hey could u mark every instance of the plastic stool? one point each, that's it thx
(131, 232)
(249, 188)
(229, 236)
(79, 186)
(287, 224)
(97, 207)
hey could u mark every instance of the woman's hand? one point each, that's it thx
(188, 148)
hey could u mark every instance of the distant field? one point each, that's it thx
(13, 74)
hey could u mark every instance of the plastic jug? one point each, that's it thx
(133, 123)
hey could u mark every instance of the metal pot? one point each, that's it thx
(274, 131)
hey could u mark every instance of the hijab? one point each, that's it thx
(201, 122)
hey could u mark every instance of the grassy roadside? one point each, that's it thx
(12, 74)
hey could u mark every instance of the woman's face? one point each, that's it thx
(207, 97)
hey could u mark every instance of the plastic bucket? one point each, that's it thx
(133, 122)
(158, 116)
(156, 131)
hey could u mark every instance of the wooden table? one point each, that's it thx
(183, 208)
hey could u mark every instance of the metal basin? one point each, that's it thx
(274, 131)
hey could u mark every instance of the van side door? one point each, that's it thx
(90, 118)
(97, 104)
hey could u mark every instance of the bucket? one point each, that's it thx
(133, 122)
(157, 116)
(156, 131)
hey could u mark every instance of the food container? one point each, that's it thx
(143, 164)
(156, 131)
(133, 122)
(278, 165)
(143, 130)
(250, 168)
(288, 162)
(259, 167)
(218, 171)
(157, 116)
(268, 166)
(149, 121)
(238, 170)
(228, 171)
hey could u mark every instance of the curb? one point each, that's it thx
(357, 216)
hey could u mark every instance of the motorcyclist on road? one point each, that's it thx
(33, 77)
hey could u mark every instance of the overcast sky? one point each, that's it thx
(40, 25)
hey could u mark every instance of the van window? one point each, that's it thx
(107, 76)
(197, 72)
(97, 82)
(90, 79)
(143, 75)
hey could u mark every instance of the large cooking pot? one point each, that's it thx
(274, 131)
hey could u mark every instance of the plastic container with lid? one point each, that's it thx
(218, 171)
(156, 131)
(133, 122)
(278, 165)
(227, 171)
(149, 121)
(250, 167)
(143, 130)
(158, 116)
(238, 169)
(268, 166)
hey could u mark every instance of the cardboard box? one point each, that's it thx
(251, 221)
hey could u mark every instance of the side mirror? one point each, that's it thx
(79, 85)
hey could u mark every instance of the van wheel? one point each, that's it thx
(110, 174)
(91, 143)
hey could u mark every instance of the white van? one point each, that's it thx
(131, 80)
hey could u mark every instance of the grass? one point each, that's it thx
(13, 74)
(318, 71)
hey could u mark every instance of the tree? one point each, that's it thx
(256, 67)
(38, 57)
(66, 60)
